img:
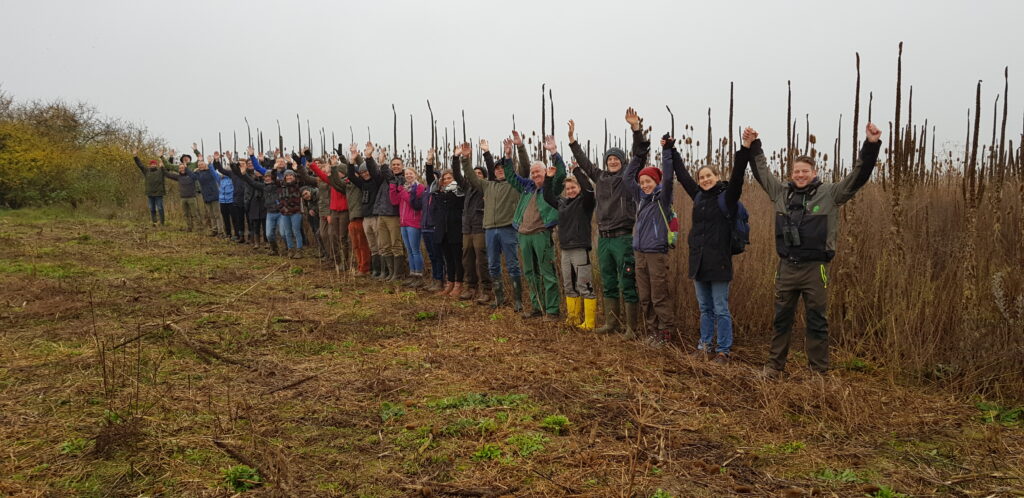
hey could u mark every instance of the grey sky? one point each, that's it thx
(188, 69)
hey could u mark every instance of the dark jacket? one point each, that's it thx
(278, 196)
(186, 182)
(616, 206)
(237, 185)
(710, 237)
(499, 198)
(530, 193)
(576, 215)
(154, 179)
(473, 210)
(209, 184)
(814, 209)
(254, 207)
(446, 209)
(382, 177)
(654, 210)
(368, 192)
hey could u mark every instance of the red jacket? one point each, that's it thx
(338, 200)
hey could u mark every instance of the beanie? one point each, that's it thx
(652, 172)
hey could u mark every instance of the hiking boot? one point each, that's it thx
(468, 292)
(481, 296)
(434, 285)
(611, 316)
(767, 372)
(446, 289)
(517, 294)
(456, 291)
(722, 358)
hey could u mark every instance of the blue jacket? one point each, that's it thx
(208, 183)
(654, 210)
(227, 190)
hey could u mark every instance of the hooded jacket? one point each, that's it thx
(382, 178)
(410, 204)
(616, 206)
(576, 215)
(473, 208)
(531, 193)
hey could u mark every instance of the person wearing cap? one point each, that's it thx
(652, 191)
(534, 221)
(155, 188)
(616, 215)
(474, 246)
(806, 228)
(209, 181)
(361, 176)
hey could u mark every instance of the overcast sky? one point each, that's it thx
(188, 69)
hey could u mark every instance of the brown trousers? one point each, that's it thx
(474, 260)
(336, 238)
(652, 285)
(809, 280)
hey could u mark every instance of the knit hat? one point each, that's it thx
(152, 162)
(291, 172)
(652, 172)
(183, 156)
(617, 152)
(361, 168)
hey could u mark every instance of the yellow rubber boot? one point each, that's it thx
(573, 310)
(589, 314)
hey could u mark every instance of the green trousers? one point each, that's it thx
(539, 270)
(618, 267)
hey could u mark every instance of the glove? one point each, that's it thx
(670, 142)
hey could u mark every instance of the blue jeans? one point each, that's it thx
(273, 223)
(290, 226)
(713, 300)
(435, 254)
(156, 203)
(411, 238)
(502, 240)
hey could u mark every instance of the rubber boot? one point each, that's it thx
(499, 294)
(631, 320)
(387, 268)
(273, 247)
(375, 266)
(517, 294)
(611, 316)
(573, 309)
(397, 264)
(589, 314)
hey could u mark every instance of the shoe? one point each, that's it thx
(699, 354)
(376, 266)
(630, 319)
(397, 264)
(468, 292)
(456, 291)
(481, 296)
(434, 286)
(573, 311)
(517, 294)
(589, 314)
(526, 315)
(722, 358)
(611, 316)
(499, 295)
(387, 267)
(446, 289)
(767, 372)
(273, 249)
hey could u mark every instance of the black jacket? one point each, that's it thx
(616, 208)
(711, 231)
(447, 212)
(369, 187)
(473, 210)
(575, 216)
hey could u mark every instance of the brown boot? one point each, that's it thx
(482, 297)
(456, 291)
(446, 289)
(468, 292)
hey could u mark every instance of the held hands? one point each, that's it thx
(550, 145)
(484, 146)
(667, 142)
(749, 135)
(874, 134)
(572, 131)
(633, 119)
(516, 138)
(507, 145)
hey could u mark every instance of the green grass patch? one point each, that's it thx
(478, 400)
(527, 444)
(56, 271)
(847, 476)
(994, 413)
(389, 411)
(241, 478)
(555, 424)
(488, 451)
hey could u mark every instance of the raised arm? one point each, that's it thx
(524, 157)
(667, 173)
(431, 176)
(759, 168)
(556, 158)
(470, 175)
(670, 155)
(735, 188)
(245, 178)
(581, 157)
(138, 163)
(861, 173)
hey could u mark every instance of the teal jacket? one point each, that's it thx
(532, 193)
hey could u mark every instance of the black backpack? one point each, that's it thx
(739, 236)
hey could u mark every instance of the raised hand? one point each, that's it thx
(250, 151)
(667, 142)
(194, 146)
(216, 155)
(135, 152)
(458, 150)
(484, 146)
(516, 138)
(550, 145)
(228, 155)
(368, 150)
(874, 134)
(353, 149)
(633, 119)
(467, 149)
(431, 154)
(572, 131)
(507, 145)
(551, 171)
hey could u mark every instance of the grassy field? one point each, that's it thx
(138, 361)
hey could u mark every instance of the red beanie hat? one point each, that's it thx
(652, 172)
(152, 162)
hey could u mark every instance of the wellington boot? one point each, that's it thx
(573, 311)
(589, 314)
(611, 316)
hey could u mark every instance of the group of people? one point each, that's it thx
(473, 221)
